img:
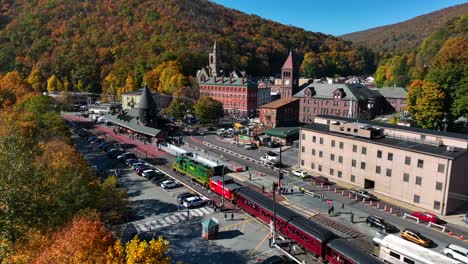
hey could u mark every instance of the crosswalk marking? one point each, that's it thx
(172, 219)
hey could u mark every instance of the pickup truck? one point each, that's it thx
(363, 194)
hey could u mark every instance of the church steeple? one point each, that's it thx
(213, 62)
(288, 77)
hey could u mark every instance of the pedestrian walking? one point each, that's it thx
(225, 216)
(232, 216)
(292, 190)
(188, 214)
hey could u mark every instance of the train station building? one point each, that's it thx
(423, 168)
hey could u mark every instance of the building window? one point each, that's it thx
(416, 199)
(353, 178)
(312, 165)
(363, 165)
(302, 162)
(340, 159)
(406, 177)
(420, 163)
(313, 152)
(321, 141)
(314, 139)
(320, 168)
(332, 157)
(341, 145)
(303, 149)
(389, 173)
(303, 136)
(364, 150)
(439, 186)
(333, 143)
(320, 154)
(340, 174)
(379, 154)
(354, 148)
(390, 156)
(436, 205)
(418, 180)
(331, 172)
(377, 169)
(407, 160)
(441, 168)
(353, 163)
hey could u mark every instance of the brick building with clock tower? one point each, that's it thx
(289, 77)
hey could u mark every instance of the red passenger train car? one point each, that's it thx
(310, 235)
(217, 185)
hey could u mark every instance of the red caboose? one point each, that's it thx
(216, 185)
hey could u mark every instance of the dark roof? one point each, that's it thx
(395, 143)
(353, 252)
(413, 129)
(146, 100)
(224, 81)
(308, 226)
(353, 91)
(279, 103)
(282, 132)
(392, 92)
(129, 120)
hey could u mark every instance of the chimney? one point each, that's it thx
(230, 78)
(222, 79)
(242, 80)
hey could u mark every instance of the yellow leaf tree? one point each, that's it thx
(136, 251)
(426, 103)
(166, 78)
(54, 84)
(36, 80)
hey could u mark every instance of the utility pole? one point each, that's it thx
(276, 184)
(222, 192)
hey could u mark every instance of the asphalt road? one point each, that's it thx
(360, 211)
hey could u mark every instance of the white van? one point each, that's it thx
(193, 202)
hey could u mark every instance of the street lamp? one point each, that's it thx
(445, 121)
(370, 105)
(222, 191)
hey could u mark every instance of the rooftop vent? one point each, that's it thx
(450, 149)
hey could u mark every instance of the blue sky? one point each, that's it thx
(338, 17)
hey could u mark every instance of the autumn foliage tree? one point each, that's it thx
(426, 103)
(140, 251)
(166, 78)
(84, 240)
(208, 109)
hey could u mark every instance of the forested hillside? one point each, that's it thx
(437, 70)
(86, 45)
(406, 35)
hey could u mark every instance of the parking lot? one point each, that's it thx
(155, 211)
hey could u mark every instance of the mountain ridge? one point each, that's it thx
(405, 35)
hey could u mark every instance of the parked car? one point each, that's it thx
(138, 164)
(249, 146)
(416, 237)
(267, 158)
(141, 169)
(184, 195)
(272, 144)
(375, 221)
(465, 218)
(363, 194)
(168, 184)
(159, 180)
(272, 153)
(426, 217)
(126, 155)
(320, 180)
(151, 174)
(113, 153)
(300, 173)
(456, 252)
(130, 162)
(192, 202)
(97, 141)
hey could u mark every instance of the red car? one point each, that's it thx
(426, 217)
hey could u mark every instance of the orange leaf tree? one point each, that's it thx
(136, 251)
